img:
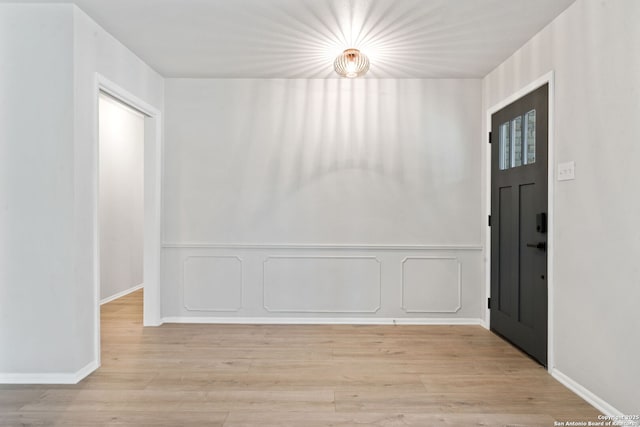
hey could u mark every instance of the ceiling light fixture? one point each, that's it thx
(351, 63)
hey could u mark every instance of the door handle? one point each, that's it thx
(540, 245)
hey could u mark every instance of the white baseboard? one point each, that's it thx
(324, 320)
(597, 402)
(121, 294)
(49, 378)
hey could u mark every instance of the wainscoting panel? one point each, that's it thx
(322, 284)
(212, 283)
(431, 285)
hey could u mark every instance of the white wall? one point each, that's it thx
(97, 51)
(36, 189)
(593, 49)
(121, 140)
(255, 169)
(48, 124)
(322, 161)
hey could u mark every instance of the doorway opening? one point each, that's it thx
(120, 198)
(127, 182)
(120, 214)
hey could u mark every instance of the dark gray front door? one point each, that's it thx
(518, 223)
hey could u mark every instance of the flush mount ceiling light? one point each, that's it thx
(351, 63)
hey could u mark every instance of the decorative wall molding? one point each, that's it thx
(327, 320)
(431, 258)
(327, 257)
(322, 283)
(121, 294)
(240, 284)
(597, 402)
(362, 247)
(49, 378)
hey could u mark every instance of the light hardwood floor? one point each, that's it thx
(290, 375)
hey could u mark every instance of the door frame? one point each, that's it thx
(153, 153)
(547, 78)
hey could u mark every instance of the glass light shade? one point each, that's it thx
(351, 63)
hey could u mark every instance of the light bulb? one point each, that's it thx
(351, 63)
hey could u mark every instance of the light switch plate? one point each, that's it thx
(566, 171)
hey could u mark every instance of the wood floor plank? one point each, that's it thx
(83, 418)
(296, 375)
(359, 419)
(14, 397)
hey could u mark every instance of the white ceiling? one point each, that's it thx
(300, 38)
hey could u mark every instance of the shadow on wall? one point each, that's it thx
(327, 160)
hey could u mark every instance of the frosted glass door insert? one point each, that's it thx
(518, 141)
